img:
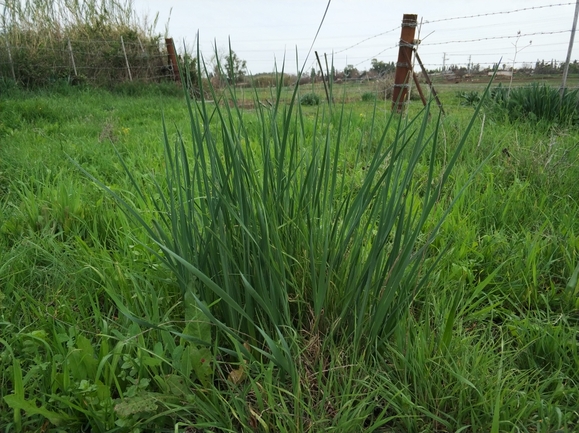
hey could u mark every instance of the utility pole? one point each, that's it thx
(404, 64)
(566, 70)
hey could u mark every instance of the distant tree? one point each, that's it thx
(236, 68)
(542, 67)
(460, 72)
(350, 71)
(230, 68)
(382, 68)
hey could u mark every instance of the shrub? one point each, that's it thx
(310, 99)
(470, 99)
(368, 96)
(270, 237)
(536, 102)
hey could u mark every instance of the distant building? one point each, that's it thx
(501, 74)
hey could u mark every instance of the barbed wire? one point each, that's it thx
(458, 18)
(376, 55)
(496, 37)
(141, 50)
(499, 13)
(367, 39)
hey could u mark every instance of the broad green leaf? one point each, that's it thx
(18, 403)
(136, 405)
(198, 326)
(202, 361)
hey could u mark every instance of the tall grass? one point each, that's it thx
(38, 36)
(537, 102)
(271, 237)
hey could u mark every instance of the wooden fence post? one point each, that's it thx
(173, 59)
(72, 58)
(126, 59)
(404, 65)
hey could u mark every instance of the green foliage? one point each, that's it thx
(351, 71)
(96, 333)
(228, 68)
(469, 99)
(310, 99)
(368, 97)
(242, 240)
(40, 35)
(382, 68)
(536, 103)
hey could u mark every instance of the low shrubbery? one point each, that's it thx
(536, 102)
(310, 99)
(471, 98)
(368, 96)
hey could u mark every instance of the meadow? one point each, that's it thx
(212, 265)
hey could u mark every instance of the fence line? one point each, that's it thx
(462, 41)
(425, 25)
(109, 59)
(488, 14)
(98, 61)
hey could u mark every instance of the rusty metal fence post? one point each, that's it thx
(173, 59)
(404, 64)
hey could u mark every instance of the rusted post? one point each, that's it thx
(403, 66)
(173, 59)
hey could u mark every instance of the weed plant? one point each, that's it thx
(471, 98)
(536, 103)
(310, 99)
(269, 237)
(368, 97)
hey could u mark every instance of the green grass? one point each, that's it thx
(100, 330)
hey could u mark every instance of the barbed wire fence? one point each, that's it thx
(131, 59)
(477, 44)
(458, 71)
(100, 62)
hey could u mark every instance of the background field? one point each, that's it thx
(490, 342)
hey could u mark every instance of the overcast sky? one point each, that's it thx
(355, 31)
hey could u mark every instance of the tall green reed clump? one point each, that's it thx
(271, 235)
(537, 102)
(40, 39)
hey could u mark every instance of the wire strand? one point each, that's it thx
(496, 37)
(367, 39)
(498, 13)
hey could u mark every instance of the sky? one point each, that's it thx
(266, 33)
